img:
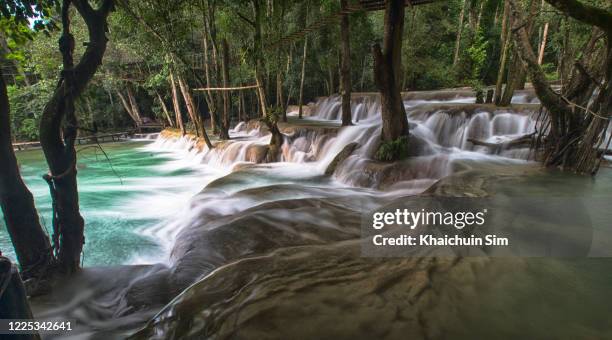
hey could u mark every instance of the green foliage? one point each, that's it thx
(477, 53)
(19, 19)
(135, 50)
(428, 46)
(550, 70)
(273, 115)
(393, 151)
(27, 104)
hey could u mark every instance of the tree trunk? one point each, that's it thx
(459, 31)
(185, 91)
(516, 72)
(543, 44)
(387, 69)
(330, 74)
(259, 57)
(134, 105)
(226, 94)
(512, 79)
(59, 128)
(128, 108)
(31, 244)
(177, 106)
(210, 100)
(192, 111)
(505, 45)
(578, 118)
(345, 69)
(242, 111)
(165, 109)
(301, 101)
(280, 98)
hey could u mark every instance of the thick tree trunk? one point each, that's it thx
(177, 106)
(59, 127)
(276, 141)
(387, 69)
(301, 101)
(516, 72)
(31, 244)
(578, 118)
(345, 69)
(513, 77)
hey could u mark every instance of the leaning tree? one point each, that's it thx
(32, 246)
(573, 131)
(59, 128)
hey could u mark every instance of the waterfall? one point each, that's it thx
(442, 123)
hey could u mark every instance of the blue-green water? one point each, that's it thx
(138, 188)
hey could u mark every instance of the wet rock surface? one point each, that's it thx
(318, 285)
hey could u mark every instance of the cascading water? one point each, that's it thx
(250, 208)
(442, 135)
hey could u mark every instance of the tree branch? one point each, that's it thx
(595, 16)
(84, 8)
(106, 7)
(551, 99)
(249, 21)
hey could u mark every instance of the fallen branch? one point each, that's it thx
(522, 141)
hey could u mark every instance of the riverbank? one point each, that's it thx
(92, 139)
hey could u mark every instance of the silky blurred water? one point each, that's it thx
(137, 189)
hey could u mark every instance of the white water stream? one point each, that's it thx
(307, 153)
